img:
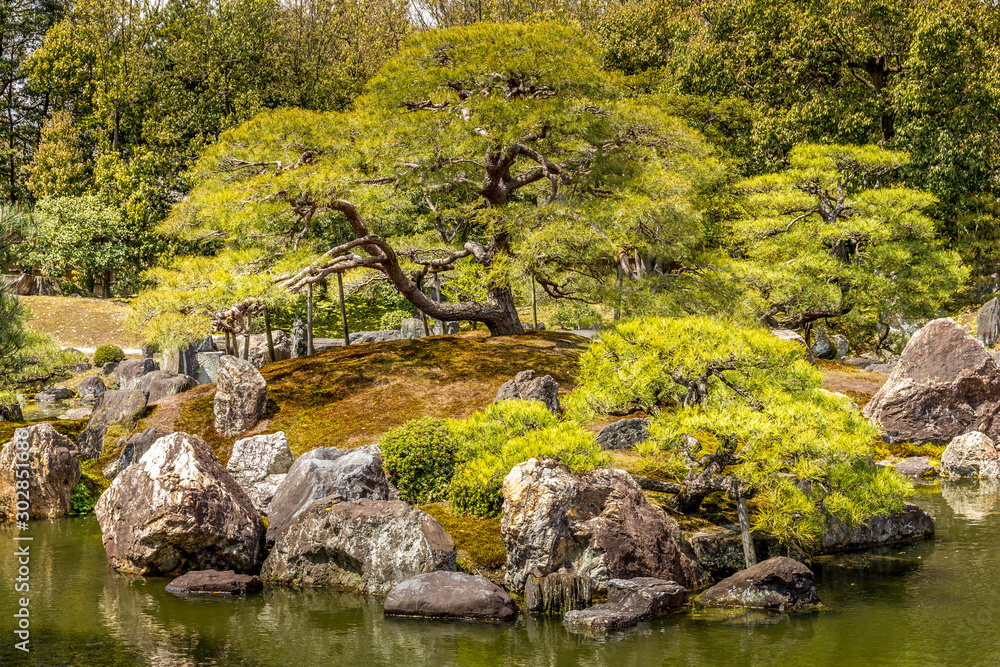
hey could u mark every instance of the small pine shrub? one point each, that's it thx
(419, 458)
(108, 353)
(575, 315)
(476, 488)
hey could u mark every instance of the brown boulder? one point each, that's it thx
(177, 509)
(527, 386)
(945, 384)
(47, 461)
(778, 583)
(450, 595)
(597, 525)
(214, 582)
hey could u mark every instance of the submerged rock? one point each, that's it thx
(944, 384)
(450, 595)
(527, 386)
(597, 525)
(177, 509)
(971, 455)
(558, 593)
(209, 582)
(629, 601)
(327, 473)
(367, 546)
(779, 583)
(51, 473)
(259, 464)
(240, 397)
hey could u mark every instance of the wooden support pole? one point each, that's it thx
(267, 329)
(343, 309)
(534, 305)
(744, 514)
(309, 320)
(438, 324)
(225, 337)
(246, 341)
(618, 298)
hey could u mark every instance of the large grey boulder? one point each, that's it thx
(52, 472)
(988, 323)
(597, 525)
(129, 370)
(260, 354)
(944, 384)
(161, 384)
(137, 445)
(842, 345)
(359, 337)
(367, 546)
(328, 473)
(177, 509)
(527, 386)
(411, 327)
(971, 455)
(91, 386)
(453, 595)
(822, 346)
(240, 396)
(184, 361)
(259, 463)
(624, 434)
(629, 601)
(208, 367)
(118, 408)
(780, 583)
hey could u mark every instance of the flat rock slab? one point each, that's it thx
(915, 466)
(450, 595)
(214, 582)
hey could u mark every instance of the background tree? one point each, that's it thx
(502, 145)
(60, 167)
(833, 239)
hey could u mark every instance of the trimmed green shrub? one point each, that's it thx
(419, 458)
(108, 353)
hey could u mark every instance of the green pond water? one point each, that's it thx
(935, 603)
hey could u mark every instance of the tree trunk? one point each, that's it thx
(343, 309)
(744, 515)
(507, 322)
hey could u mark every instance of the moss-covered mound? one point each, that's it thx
(348, 397)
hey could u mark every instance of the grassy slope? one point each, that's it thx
(348, 397)
(81, 322)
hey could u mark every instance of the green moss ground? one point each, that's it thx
(477, 540)
(348, 397)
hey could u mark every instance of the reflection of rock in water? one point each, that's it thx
(971, 499)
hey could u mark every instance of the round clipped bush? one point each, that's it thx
(108, 353)
(419, 458)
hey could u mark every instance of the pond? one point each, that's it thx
(943, 609)
(35, 411)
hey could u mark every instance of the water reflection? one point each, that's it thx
(971, 499)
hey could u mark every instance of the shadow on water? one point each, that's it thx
(931, 603)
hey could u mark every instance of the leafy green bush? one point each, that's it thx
(476, 488)
(575, 315)
(84, 496)
(108, 353)
(419, 458)
(393, 320)
(487, 431)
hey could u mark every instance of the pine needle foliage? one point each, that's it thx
(737, 398)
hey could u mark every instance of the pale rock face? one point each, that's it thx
(367, 546)
(240, 398)
(53, 471)
(177, 509)
(971, 455)
(259, 463)
(597, 525)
